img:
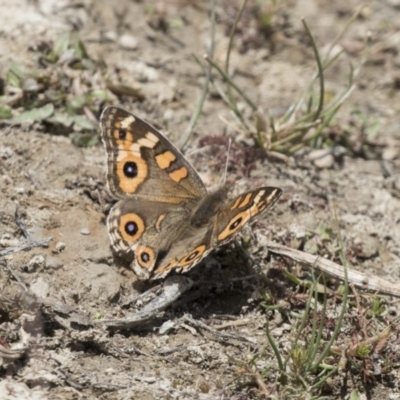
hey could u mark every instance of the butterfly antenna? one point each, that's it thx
(226, 163)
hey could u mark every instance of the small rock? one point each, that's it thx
(8, 241)
(322, 158)
(36, 262)
(367, 246)
(30, 85)
(128, 42)
(6, 152)
(40, 288)
(6, 180)
(297, 231)
(53, 262)
(166, 327)
(19, 190)
(168, 115)
(85, 231)
(110, 36)
(60, 246)
(143, 73)
(110, 371)
(148, 379)
(390, 153)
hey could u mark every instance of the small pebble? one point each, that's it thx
(166, 327)
(6, 180)
(40, 288)
(85, 231)
(60, 246)
(391, 153)
(322, 158)
(111, 36)
(8, 241)
(36, 262)
(109, 371)
(6, 152)
(20, 190)
(128, 42)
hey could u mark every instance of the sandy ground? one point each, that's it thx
(59, 190)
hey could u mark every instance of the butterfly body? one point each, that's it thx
(165, 220)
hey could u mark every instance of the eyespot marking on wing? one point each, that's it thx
(234, 225)
(131, 227)
(192, 257)
(145, 256)
(131, 172)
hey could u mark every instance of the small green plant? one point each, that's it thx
(98, 315)
(332, 331)
(64, 90)
(377, 309)
(305, 120)
(363, 350)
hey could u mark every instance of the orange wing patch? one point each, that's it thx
(159, 220)
(164, 160)
(246, 200)
(164, 269)
(178, 174)
(236, 203)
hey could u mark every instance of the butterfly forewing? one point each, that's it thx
(142, 163)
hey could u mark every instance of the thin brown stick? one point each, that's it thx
(229, 324)
(26, 246)
(202, 325)
(359, 279)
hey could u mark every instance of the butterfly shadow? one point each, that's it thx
(222, 284)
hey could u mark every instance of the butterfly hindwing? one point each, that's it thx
(242, 210)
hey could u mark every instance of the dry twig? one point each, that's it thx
(215, 332)
(359, 279)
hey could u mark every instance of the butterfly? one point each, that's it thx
(165, 220)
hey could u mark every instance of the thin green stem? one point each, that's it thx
(195, 116)
(320, 71)
(232, 34)
(321, 328)
(341, 315)
(230, 44)
(233, 84)
(275, 350)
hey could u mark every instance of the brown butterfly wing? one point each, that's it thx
(213, 221)
(243, 209)
(143, 164)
